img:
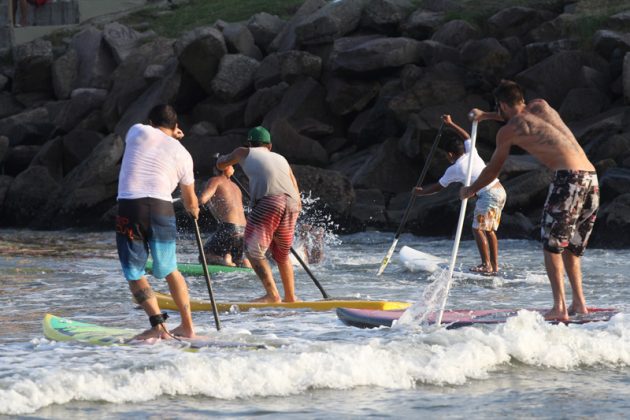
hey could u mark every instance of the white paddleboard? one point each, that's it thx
(415, 260)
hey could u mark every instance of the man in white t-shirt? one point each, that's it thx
(490, 200)
(153, 164)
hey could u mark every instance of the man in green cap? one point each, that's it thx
(276, 204)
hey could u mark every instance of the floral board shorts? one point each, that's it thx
(490, 203)
(570, 211)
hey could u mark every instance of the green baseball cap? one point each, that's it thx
(259, 135)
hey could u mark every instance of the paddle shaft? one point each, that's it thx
(206, 273)
(295, 254)
(460, 224)
(412, 200)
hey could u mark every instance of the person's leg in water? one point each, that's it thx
(493, 247)
(144, 296)
(555, 271)
(263, 271)
(179, 291)
(484, 252)
(573, 266)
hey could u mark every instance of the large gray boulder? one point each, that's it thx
(332, 21)
(4, 148)
(65, 71)
(331, 187)
(5, 183)
(287, 66)
(612, 228)
(527, 191)
(385, 16)
(486, 56)
(88, 190)
(555, 76)
(456, 32)
(286, 39)
(81, 103)
(517, 21)
(626, 78)
(239, 40)
(166, 90)
(261, 102)
(421, 24)
(369, 207)
(20, 127)
(346, 95)
(96, 62)
(235, 77)
(33, 61)
(27, 196)
(582, 103)
(9, 105)
(223, 116)
(121, 39)
(202, 148)
(363, 54)
(606, 42)
(129, 81)
(264, 28)
(386, 160)
(200, 51)
(615, 147)
(293, 145)
(615, 182)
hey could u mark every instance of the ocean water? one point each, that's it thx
(315, 367)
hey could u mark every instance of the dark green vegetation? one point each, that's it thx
(205, 12)
(590, 15)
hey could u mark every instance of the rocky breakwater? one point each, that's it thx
(351, 91)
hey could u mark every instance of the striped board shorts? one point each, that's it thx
(270, 225)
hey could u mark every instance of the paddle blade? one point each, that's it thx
(387, 258)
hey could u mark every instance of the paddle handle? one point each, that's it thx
(206, 274)
(412, 200)
(460, 224)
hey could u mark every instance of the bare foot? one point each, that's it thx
(153, 334)
(291, 299)
(180, 331)
(481, 268)
(556, 315)
(577, 309)
(267, 299)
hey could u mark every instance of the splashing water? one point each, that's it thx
(429, 303)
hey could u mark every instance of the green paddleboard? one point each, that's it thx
(63, 329)
(192, 269)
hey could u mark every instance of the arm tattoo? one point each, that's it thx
(143, 295)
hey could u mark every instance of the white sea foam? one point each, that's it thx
(57, 373)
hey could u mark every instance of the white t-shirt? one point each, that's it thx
(458, 170)
(153, 165)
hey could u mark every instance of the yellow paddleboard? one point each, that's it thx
(166, 302)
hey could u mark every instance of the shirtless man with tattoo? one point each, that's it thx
(573, 198)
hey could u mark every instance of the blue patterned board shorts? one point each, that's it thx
(570, 211)
(141, 225)
(490, 203)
